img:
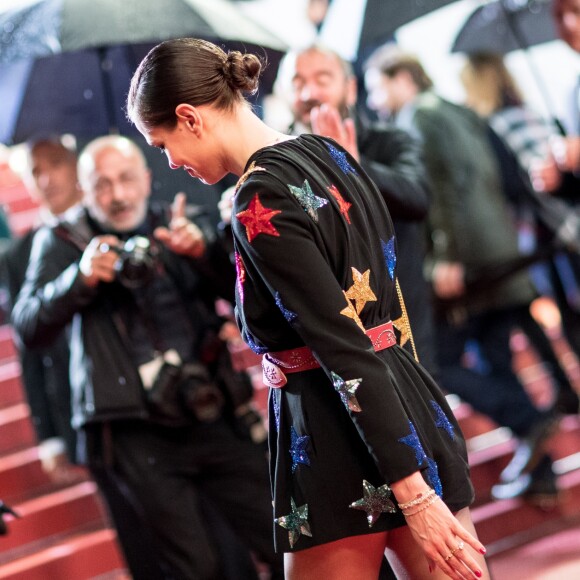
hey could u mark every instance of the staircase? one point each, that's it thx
(63, 532)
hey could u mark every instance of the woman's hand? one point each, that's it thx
(437, 531)
(444, 541)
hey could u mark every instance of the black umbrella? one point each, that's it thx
(65, 65)
(506, 25)
(380, 20)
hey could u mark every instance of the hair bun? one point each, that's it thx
(242, 71)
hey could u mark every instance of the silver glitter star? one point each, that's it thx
(296, 522)
(374, 502)
(347, 390)
(310, 202)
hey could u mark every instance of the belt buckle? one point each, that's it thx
(272, 374)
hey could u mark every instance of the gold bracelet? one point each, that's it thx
(417, 500)
(423, 507)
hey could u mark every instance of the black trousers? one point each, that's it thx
(175, 494)
(496, 391)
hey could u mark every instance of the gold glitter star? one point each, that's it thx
(360, 291)
(350, 312)
(253, 167)
(402, 325)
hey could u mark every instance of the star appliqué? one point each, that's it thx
(350, 312)
(361, 291)
(340, 159)
(257, 219)
(288, 314)
(343, 205)
(442, 420)
(298, 444)
(433, 476)
(310, 202)
(253, 167)
(412, 440)
(347, 390)
(403, 326)
(296, 522)
(390, 256)
(374, 502)
(240, 275)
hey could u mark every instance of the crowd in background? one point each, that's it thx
(480, 192)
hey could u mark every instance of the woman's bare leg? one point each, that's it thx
(355, 558)
(409, 561)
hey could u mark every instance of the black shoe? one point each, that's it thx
(529, 451)
(4, 509)
(567, 402)
(540, 491)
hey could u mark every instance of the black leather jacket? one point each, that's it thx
(105, 382)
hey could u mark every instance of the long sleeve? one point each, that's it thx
(292, 258)
(52, 292)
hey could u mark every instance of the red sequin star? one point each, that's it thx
(257, 219)
(343, 205)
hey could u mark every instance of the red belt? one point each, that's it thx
(275, 365)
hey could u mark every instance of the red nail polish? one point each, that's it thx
(478, 573)
(483, 550)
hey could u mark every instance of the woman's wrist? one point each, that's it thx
(410, 488)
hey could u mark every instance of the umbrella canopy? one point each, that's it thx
(356, 27)
(44, 27)
(506, 25)
(60, 79)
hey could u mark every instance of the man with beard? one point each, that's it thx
(154, 395)
(324, 94)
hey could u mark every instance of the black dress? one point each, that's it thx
(316, 261)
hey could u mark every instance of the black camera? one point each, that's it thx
(138, 262)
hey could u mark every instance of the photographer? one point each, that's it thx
(152, 387)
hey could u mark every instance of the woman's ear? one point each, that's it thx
(190, 117)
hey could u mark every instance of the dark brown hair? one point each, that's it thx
(193, 71)
(390, 61)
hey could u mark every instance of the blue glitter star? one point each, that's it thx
(390, 256)
(298, 451)
(433, 476)
(340, 159)
(276, 406)
(310, 202)
(442, 420)
(374, 502)
(288, 314)
(347, 390)
(412, 440)
(253, 346)
(296, 522)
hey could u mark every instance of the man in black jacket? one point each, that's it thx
(151, 385)
(51, 178)
(324, 94)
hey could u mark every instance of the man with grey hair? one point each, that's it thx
(153, 388)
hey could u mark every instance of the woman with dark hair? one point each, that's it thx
(357, 426)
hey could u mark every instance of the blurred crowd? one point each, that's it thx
(121, 302)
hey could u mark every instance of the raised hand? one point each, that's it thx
(182, 236)
(326, 121)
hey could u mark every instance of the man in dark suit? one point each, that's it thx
(324, 95)
(52, 180)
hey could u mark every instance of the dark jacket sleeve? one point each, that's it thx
(393, 160)
(53, 291)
